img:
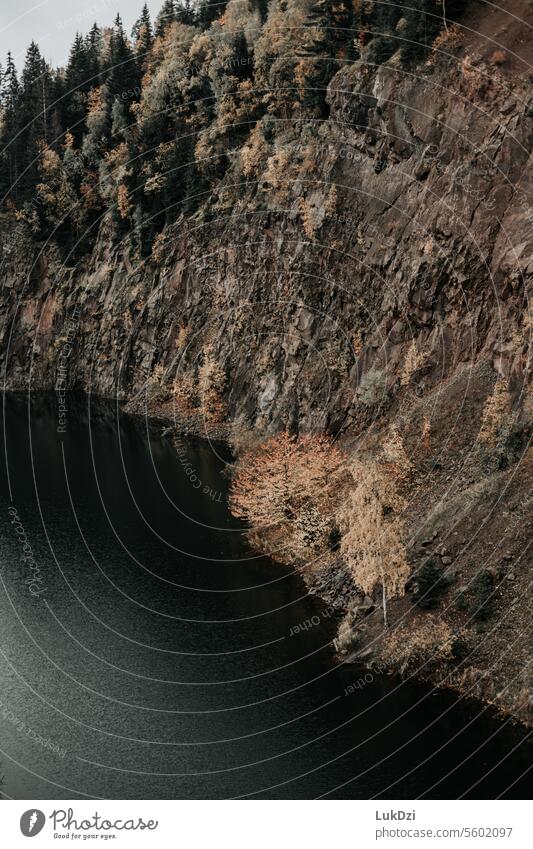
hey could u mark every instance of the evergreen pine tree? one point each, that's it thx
(78, 82)
(208, 11)
(165, 17)
(262, 7)
(123, 79)
(35, 102)
(57, 121)
(430, 584)
(142, 35)
(76, 73)
(93, 46)
(379, 27)
(241, 65)
(184, 12)
(9, 86)
(9, 142)
(423, 22)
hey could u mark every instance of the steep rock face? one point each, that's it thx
(301, 293)
(406, 215)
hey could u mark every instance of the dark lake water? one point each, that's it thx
(144, 653)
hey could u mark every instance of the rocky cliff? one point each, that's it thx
(405, 215)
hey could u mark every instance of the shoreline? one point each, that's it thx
(330, 585)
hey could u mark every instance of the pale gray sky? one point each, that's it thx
(53, 23)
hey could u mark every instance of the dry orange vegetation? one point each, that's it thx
(286, 490)
(311, 504)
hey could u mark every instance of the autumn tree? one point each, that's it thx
(372, 532)
(164, 139)
(262, 488)
(283, 36)
(285, 489)
(496, 413)
(185, 394)
(501, 437)
(211, 383)
(183, 99)
(317, 62)
(94, 142)
(58, 200)
(414, 361)
(426, 433)
(395, 458)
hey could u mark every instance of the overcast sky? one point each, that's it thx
(54, 23)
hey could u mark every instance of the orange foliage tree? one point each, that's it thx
(211, 383)
(372, 531)
(496, 413)
(285, 489)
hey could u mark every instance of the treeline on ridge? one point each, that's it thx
(137, 128)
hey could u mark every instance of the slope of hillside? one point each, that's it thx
(356, 264)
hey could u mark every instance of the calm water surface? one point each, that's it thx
(147, 654)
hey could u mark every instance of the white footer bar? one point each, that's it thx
(266, 824)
